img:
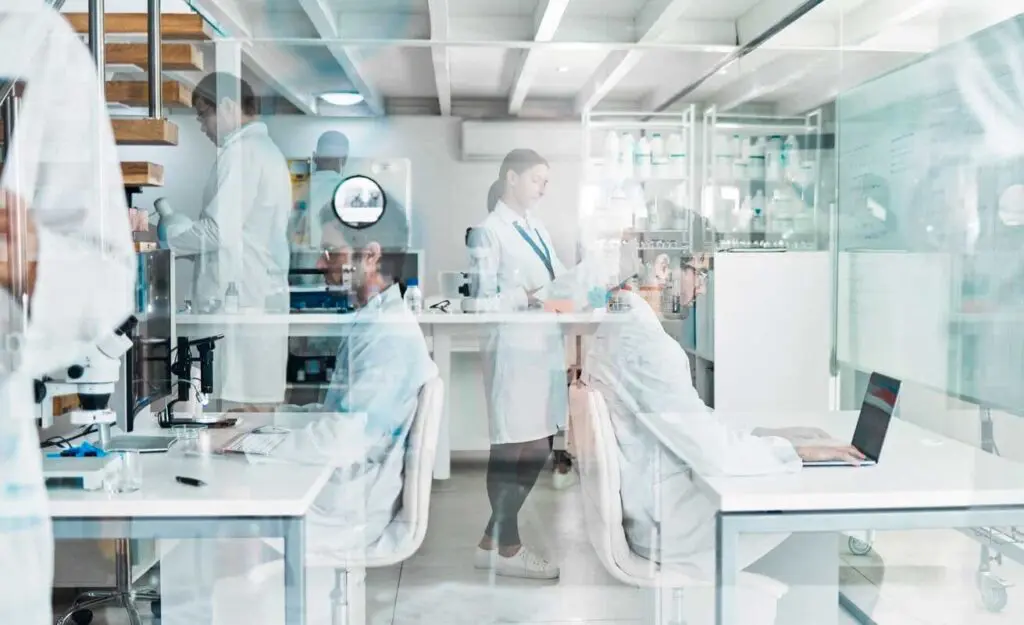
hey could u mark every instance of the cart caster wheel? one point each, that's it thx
(993, 593)
(82, 617)
(858, 547)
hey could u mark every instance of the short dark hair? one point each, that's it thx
(216, 86)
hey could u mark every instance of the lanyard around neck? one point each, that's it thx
(545, 255)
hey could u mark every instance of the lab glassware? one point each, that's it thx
(124, 473)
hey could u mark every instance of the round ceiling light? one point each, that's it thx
(343, 98)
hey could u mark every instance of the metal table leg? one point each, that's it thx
(726, 575)
(294, 571)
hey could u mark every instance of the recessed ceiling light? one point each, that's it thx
(342, 98)
(563, 69)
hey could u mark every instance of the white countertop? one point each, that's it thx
(427, 318)
(313, 324)
(917, 469)
(235, 487)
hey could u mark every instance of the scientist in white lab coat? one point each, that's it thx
(329, 159)
(524, 366)
(639, 369)
(241, 240)
(62, 206)
(362, 430)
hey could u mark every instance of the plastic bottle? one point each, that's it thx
(611, 155)
(627, 155)
(791, 157)
(757, 221)
(170, 224)
(414, 296)
(755, 168)
(677, 164)
(773, 159)
(231, 299)
(644, 158)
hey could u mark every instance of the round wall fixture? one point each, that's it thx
(359, 202)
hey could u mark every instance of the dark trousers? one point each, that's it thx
(512, 471)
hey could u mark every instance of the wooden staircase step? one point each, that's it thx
(173, 26)
(142, 174)
(175, 57)
(139, 131)
(136, 93)
(144, 131)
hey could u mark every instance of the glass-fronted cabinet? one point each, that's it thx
(761, 181)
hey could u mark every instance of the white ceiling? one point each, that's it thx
(441, 54)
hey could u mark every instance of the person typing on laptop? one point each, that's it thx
(639, 369)
(361, 429)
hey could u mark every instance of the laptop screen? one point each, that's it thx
(875, 413)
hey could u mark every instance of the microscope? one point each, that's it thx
(92, 379)
(195, 381)
(478, 287)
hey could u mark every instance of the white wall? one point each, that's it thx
(448, 195)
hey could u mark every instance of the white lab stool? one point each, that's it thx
(598, 462)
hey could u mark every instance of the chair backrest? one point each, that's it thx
(418, 477)
(601, 483)
(597, 457)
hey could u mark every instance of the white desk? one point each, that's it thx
(439, 329)
(923, 481)
(240, 500)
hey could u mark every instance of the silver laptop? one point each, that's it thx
(873, 423)
(140, 443)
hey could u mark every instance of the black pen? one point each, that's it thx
(190, 481)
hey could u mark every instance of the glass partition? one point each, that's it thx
(930, 222)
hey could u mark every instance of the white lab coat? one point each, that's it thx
(241, 236)
(322, 185)
(63, 162)
(524, 365)
(362, 430)
(639, 369)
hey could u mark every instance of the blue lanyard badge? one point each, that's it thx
(545, 255)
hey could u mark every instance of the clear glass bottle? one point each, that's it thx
(231, 299)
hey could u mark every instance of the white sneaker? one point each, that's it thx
(484, 558)
(524, 564)
(564, 481)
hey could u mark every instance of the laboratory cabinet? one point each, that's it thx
(762, 332)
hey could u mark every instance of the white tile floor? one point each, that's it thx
(909, 578)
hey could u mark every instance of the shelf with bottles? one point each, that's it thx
(653, 150)
(760, 180)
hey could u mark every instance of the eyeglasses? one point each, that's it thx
(700, 273)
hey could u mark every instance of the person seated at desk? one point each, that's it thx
(639, 369)
(361, 429)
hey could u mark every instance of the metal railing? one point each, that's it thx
(96, 47)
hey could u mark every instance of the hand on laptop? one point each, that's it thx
(821, 453)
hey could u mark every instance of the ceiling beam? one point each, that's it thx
(326, 26)
(856, 71)
(653, 24)
(548, 17)
(439, 26)
(853, 29)
(265, 63)
(875, 16)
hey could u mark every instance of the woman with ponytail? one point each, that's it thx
(524, 364)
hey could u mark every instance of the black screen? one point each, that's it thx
(875, 414)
